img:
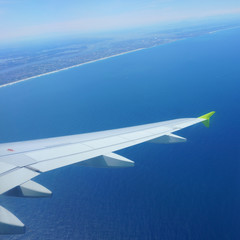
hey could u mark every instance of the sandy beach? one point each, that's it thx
(62, 69)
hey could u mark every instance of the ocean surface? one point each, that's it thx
(187, 191)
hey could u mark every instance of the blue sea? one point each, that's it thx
(187, 191)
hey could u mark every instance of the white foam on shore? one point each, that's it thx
(224, 29)
(62, 69)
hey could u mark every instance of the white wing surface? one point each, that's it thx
(22, 161)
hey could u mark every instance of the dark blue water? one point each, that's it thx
(175, 192)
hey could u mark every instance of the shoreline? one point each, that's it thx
(104, 58)
(224, 29)
(66, 68)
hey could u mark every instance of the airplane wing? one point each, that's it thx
(22, 161)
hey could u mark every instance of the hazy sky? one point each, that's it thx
(36, 18)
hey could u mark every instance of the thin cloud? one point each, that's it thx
(115, 22)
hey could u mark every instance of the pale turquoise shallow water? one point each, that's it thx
(184, 191)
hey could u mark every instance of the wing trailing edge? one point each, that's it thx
(15, 177)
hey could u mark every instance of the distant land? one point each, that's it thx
(18, 63)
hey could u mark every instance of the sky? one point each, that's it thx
(21, 19)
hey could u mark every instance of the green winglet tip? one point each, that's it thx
(207, 118)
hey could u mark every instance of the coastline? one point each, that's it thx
(104, 58)
(66, 68)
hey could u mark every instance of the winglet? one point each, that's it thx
(207, 118)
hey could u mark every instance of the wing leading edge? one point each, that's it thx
(22, 161)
